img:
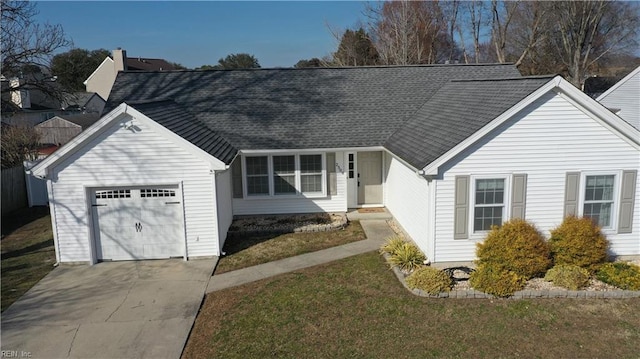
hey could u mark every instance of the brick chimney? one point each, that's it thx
(120, 59)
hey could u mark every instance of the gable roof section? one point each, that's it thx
(107, 60)
(570, 93)
(263, 109)
(177, 119)
(146, 64)
(457, 110)
(618, 84)
(174, 132)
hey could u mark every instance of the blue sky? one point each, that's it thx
(278, 34)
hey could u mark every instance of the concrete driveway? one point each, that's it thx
(136, 309)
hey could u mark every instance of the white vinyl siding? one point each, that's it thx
(299, 203)
(406, 196)
(626, 99)
(121, 158)
(224, 200)
(545, 141)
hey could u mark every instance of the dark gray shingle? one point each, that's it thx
(455, 112)
(298, 108)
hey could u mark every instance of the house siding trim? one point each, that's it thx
(563, 88)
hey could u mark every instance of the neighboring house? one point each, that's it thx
(449, 149)
(623, 98)
(84, 102)
(59, 130)
(101, 80)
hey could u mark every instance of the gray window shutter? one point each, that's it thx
(236, 174)
(627, 200)
(461, 214)
(519, 195)
(332, 177)
(571, 194)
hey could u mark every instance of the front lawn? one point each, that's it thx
(356, 307)
(251, 250)
(27, 252)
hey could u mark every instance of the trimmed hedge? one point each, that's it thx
(430, 280)
(568, 276)
(578, 241)
(516, 246)
(622, 275)
(496, 281)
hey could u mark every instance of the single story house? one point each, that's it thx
(449, 150)
(623, 98)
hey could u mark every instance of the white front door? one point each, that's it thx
(138, 223)
(352, 180)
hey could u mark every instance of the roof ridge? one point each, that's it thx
(531, 77)
(329, 68)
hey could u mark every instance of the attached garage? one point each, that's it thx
(135, 186)
(138, 223)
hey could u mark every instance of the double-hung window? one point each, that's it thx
(599, 199)
(285, 175)
(311, 173)
(257, 176)
(489, 206)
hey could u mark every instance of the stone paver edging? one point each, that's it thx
(522, 294)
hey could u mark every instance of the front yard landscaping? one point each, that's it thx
(27, 252)
(252, 249)
(356, 307)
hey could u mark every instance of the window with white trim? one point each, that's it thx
(285, 175)
(599, 199)
(311, 173)
(489, 205)
(257, 174)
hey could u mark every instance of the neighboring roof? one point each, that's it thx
(79, 99)
(147, 64)
(177, 119)
(619, 83)
(300, 108)
(456, 111)
(82, 120)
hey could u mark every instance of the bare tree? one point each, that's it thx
(408, 32)
(19, 143)
(28, 47)
(585, 31)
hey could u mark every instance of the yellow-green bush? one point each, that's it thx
(578, 241)
(407, 257)
(516, 246)
(568, 276)
(392, 244)
(430, 280)
(622, 275)
(496, 281)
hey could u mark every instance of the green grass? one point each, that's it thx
(356, 307)
(27, 252)
(248, 251)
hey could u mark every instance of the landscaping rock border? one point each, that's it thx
(522, 294)
(295, 224)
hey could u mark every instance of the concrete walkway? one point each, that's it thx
(376, 230)
(132, 309)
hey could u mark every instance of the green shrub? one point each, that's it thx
(430, 280)
(392, 244)
(578, 241)
(622, 275)
(407, 257)
(496, 281)
(568, 276)
(516, 246)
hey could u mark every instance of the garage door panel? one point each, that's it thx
(142, 223)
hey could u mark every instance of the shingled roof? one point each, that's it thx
(455, 112)
(319, 108)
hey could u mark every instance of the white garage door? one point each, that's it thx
(138, 223)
